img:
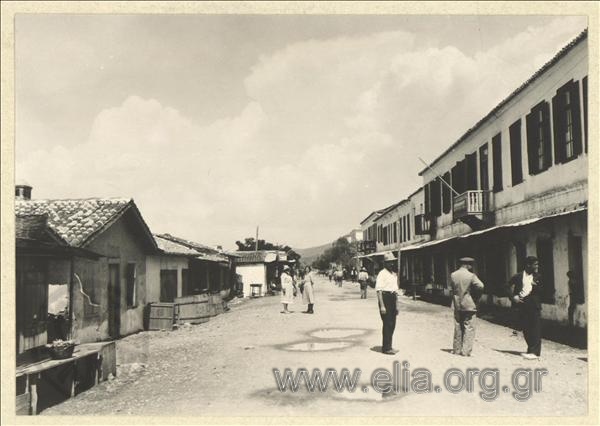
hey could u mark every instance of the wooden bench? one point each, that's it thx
(102, 357)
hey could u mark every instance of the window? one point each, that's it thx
(427, 199)
(585, 111)
(458, 177)
(497, 161)
(446, 195)
(516, 167)
(130, 282)
(567, 123)
(484, 181)
(408, 227)
(538, 138)
(395, 224)
(185, 284)
(471, 171)
(168, 285)
(436, 197)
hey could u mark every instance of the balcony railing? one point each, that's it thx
(472, 203)
(422, 224)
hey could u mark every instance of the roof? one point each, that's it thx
(260, 256)
(201, 248)
(377, 212)
(561, 54)
(389, 209)
(171, 247)
(79, 221)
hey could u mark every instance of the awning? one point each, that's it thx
(427, 244)
(380, 253)
(523, 222)
(493, 228)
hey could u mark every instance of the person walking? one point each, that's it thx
(525, 291)
(287, 289)
(386, 287)
(339, 277)
(466, 288)
(363, 281)
(308, 295)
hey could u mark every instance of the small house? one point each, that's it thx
(259, 270)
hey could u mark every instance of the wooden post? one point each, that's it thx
(71, 296)
(34, 395)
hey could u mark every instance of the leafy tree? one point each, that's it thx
(249, 244)
(340, 252)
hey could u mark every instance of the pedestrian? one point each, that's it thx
(287, 289)
(363, 281)
(525, 291)
(354, 275)
(466, 288)
(387, 298)
(575, 295)
(339, 277)
(308, 295)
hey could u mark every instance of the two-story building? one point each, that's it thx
(515, 185)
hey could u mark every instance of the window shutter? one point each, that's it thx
(471, 162)
(531, 142)
(547, 135)
(436, 207)
(585, 119)
(497, 162)
(427, 204)
(577, 148)
(558, 118)
(515, 152)
(446, 203)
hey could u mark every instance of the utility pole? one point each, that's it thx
(440, 178)
(256, 241)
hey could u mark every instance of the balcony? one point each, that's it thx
(473, 208)
(423, 225)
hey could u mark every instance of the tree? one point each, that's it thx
(249, 244)
(341, 252)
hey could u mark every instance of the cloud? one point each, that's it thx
(332, 130)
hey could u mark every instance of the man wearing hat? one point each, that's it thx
(525, 292)
(386, 287)
(363, 281)
(465, 289)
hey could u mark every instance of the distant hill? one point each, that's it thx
(310, 254)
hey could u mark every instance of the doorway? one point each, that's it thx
(114, 301)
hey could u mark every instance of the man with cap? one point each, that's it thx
(465, 289)
(525, 292)
(363, 281)
(386, 287)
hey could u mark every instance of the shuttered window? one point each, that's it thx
(436, 197)
(471, 172)
(458, 177)
(567, 123)
(585, 111)
(516, 166)
(427, 189)
(539, 143)
(484, 181)
(446, 195)
(408, 227)
(497, 161)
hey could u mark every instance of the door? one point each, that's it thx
(114, 301)
(168, 285)
(546, 269)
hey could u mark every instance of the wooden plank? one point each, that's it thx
(23, 404)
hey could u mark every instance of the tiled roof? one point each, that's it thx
(171, 247)
(76, 221)
(35, 227)
(201, 248)
(254, 256)
(562, 53)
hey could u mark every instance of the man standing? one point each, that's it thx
(386, 287)
(525, 292)
(466, 288)
(363, 281)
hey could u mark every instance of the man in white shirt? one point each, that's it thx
(386, 287)
(363, 280)
(525, 292)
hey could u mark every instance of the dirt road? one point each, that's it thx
(225, 367)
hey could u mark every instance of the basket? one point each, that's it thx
(61, 352)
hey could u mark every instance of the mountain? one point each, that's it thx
(310, 254)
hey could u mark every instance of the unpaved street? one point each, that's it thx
(225, 367)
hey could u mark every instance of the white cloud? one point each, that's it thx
(332, 131)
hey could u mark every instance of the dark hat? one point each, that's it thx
(466, 260)
(529, 260)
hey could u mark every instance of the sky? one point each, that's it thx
(299, 124)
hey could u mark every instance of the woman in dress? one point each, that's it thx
(287, 289)
(308, 295)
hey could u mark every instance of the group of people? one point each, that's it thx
(524, 289)
(303, 282)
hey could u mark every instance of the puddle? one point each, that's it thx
(337, 333)
(316, 346)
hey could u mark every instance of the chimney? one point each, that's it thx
(22, 191)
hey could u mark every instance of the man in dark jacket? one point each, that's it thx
(525, 292)
(466, 289)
